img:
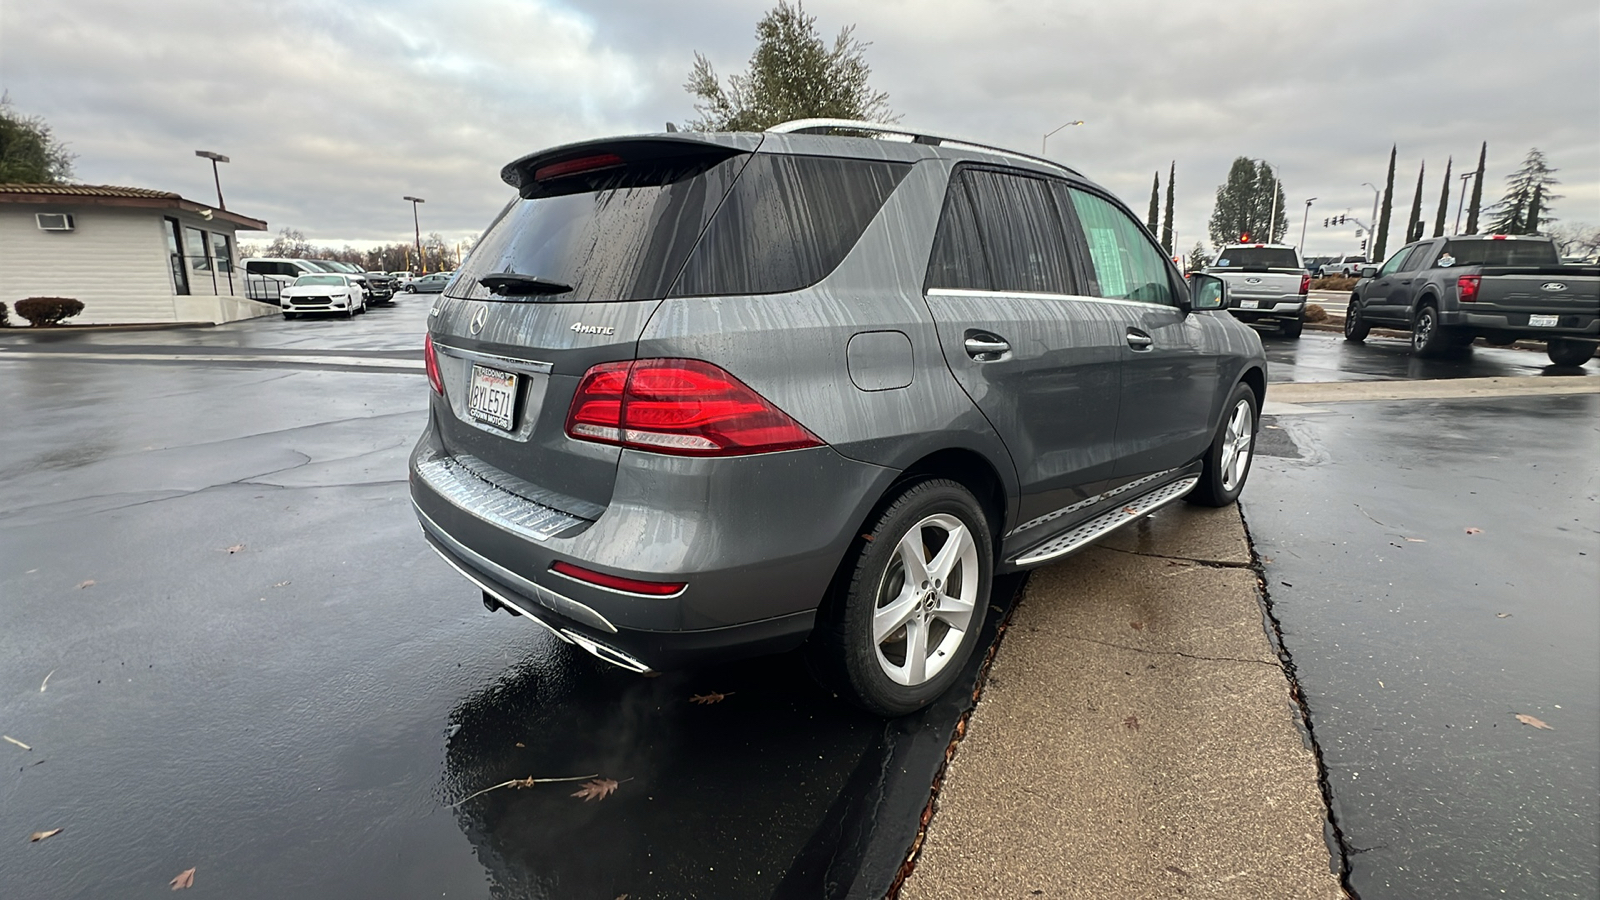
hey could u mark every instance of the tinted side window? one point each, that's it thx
(1395, 262)
(1023, 238)
(1419, 258)
(787, 223)
(1127, 266)
(958, 259)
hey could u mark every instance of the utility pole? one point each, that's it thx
(422, 261)
(1046, 141)
(215, 158)
(1461, 201)
(1375, 193)
(1303, 219)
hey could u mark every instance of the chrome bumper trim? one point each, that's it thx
(1107, 522)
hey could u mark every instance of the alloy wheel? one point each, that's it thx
(1236, 445)
(925, 600)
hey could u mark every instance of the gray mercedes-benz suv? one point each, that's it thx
(703, 395)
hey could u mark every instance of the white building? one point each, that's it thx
(129, 254)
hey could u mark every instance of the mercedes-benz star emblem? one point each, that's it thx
(478, 318)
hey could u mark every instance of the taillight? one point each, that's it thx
(1467, 287)
(683, 407)
(575, 166)
(617, 582)
(1305, 284)
(431, 359)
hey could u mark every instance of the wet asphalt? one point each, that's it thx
(228, 648)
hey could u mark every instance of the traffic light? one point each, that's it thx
(1341, 220)
(1324, 223)
(1363, 245)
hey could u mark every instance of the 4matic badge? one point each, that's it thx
(580, 328)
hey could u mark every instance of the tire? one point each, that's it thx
(1356, 328)
(1569, 352)
(1227, 463)
(1427, 335)
(1291, 328)
(865, 645)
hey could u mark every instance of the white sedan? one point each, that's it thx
(323, 293)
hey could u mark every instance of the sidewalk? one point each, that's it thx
(1136, 737)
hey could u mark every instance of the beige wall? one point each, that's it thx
(115, 261)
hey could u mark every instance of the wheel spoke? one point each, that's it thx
(913, 558)
(955, 611)
(888, 618)
(956, 545)
(916, 652)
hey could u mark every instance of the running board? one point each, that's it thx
(1106, 522)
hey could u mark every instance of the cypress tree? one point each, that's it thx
(1477, 191)
(1414, 224)
(1444, 200)
(1381, 239)
(1153, 220)
(1166, 226)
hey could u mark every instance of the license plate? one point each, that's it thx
(1249, 304)
(1543, 321)
(493, 398)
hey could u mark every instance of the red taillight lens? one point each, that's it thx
(683, 407)
(431, 358)
(1467, 287)
(574, 166)
(1305, 284)
(616, 582)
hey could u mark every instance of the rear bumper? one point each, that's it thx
(1271, 309)
(1568, 324)
(756, 540)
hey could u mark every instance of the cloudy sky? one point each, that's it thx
(331, 111)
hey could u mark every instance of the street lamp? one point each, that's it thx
(417, 223)
(1303, 219)
(1277, 185)
(1046, 140)
(215, 158)
(1462, 199)
(1372, 231)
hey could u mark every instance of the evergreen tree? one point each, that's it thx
(1380, 245)
(1153, 220)
(1198, 258)
(1250, 196)
(793, 74)
(1414, 224)
(1444, 200)
(1477, 191)
(1166, 226)
(29, 151)
(1515, 213)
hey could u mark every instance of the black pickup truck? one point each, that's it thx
(1449, 291)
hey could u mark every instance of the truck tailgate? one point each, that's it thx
(1548, 289)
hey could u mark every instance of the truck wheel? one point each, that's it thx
(1569, 352)
(1356, 328)
(1227, 463)
(1427, 337)
(1291, 328)
(908, 612)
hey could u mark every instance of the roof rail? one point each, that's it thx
(827, 126)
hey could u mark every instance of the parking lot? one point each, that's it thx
(227, 647)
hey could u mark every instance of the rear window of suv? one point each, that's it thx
(748, 224)
(1266, 257)
(1501, 253)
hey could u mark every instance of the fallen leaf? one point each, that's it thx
(708, 699)
(234, 549)
(1174, 869)
(1416, 540)
(1130, 510)
(45, 681)
(1474, 531)
(528, 782)
(185, 879)
(1131, 723)
(84, 584)
(1136, 626)
(598, 789)
(15, 741)
(41, 835)
(1502, 615)
(521, 744)
(1530, 720)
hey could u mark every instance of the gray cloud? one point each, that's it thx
(332, 111)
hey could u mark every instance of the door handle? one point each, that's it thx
(1138, 340)
(986, 347)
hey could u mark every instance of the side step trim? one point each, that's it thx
(1106, 522)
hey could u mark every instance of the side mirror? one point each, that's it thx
(1207, 292)
(1369, 271)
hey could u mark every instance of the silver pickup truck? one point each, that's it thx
(1266, 284)
(1449, 291)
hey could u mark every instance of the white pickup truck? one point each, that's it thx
(1266, 285)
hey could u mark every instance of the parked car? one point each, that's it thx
(705, 395)
(429, 284)
(374, 290)
(401, 279)
(266, 277)
(1450, 291)
(333, 292)
(1314, 264)
(1267, 284)
(1343, 266)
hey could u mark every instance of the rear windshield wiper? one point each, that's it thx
(513, 283)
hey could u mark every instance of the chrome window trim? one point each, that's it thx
(965, 292)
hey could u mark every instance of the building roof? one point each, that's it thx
(113, 195)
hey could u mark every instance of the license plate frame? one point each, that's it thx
(492, 397)
(1543, 321)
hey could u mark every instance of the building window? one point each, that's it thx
(180, 272)
(195, 241)
(221, 253)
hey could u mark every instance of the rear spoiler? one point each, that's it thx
(574, 168)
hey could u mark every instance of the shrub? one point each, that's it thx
(1315, 313)
(45, 311)
(5, 320)
(1333, 283)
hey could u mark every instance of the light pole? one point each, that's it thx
(422, 261)
(1303, 218)
(1277, 185)
(1046, 140)
(1372, 233)
(1461, 200)
(215, 158)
